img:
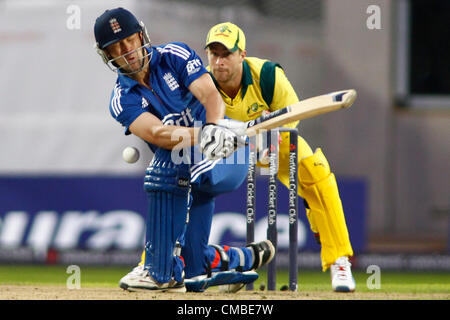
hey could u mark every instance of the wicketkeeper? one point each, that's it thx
(250, 86)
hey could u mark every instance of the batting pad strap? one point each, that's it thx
(163, 175)
(177, 249)
(224, 259)
(240, 268)
(173, 180)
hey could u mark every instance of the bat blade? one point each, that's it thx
(305, 109)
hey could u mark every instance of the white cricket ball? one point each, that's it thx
(130, 154)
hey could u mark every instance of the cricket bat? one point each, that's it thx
(304, 109)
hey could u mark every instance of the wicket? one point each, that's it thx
(272, 205)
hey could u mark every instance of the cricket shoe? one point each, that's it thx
(262, 253)
(139, 279)
(341, 276)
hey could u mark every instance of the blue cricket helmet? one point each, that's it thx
(114, 25)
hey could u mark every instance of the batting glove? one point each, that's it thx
(218, 142)
(238, 127)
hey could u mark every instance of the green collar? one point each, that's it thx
(246, 77)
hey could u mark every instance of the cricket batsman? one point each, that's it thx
(250, 86)
(159, 95)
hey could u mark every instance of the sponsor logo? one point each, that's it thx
(193, 66)
(91, 224)
(317, 164)
(144, 103)
(184, 118)
(117, 229)
(251, 123)
(183, 182)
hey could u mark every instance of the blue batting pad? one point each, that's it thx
(167, 186)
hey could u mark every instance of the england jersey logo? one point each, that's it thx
(171, 82)
(115, 26)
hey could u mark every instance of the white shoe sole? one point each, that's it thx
(126, 287)
(343, 289)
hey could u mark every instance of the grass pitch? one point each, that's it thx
(312, 284)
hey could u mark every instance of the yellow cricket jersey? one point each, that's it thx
(264, 87)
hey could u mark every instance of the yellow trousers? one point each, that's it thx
(317, 185)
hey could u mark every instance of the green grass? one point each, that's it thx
(57, 275)
(391, 282)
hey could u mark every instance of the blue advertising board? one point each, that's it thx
(230, 220)
(108, 212)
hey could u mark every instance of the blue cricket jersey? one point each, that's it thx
(173, 67)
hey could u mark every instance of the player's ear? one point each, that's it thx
(243, 54)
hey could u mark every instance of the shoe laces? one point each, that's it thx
(341, 268)
(139, 271)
